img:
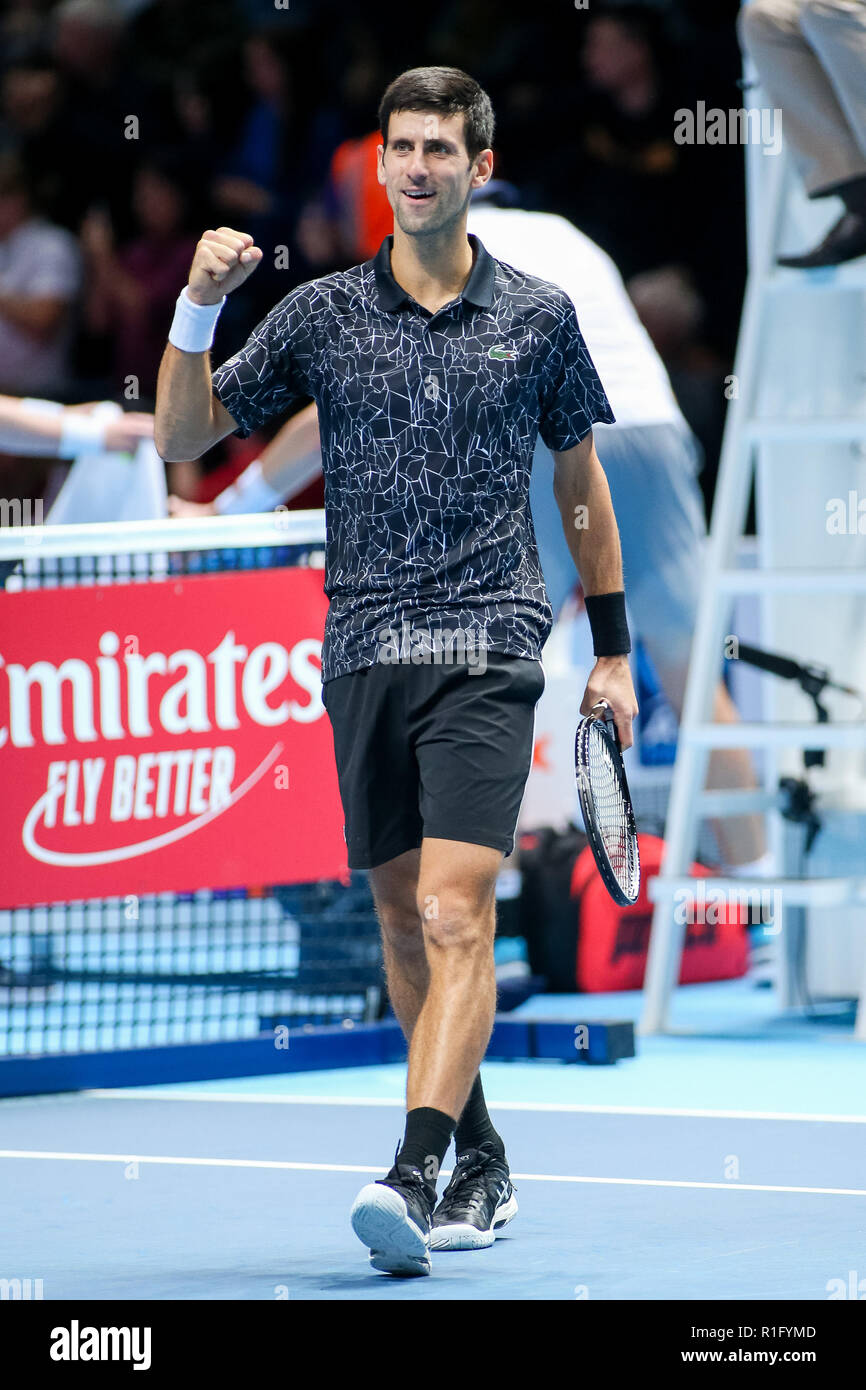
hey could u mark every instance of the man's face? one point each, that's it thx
(426, 171)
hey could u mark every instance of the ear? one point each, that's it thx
(483, 169)
(380, 166)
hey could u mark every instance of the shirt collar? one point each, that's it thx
(478, 288)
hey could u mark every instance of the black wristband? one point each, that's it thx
(606, 613)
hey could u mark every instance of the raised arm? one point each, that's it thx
(583, 497)
(189, 418)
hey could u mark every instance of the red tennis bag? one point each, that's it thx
(612, 941)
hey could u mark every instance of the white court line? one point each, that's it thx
(360, 1168)
(266, 1098)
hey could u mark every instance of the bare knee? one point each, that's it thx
(394, 888)
(456, 923)
(401, 930)
(400, 924)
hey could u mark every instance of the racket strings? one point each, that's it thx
(614, 823)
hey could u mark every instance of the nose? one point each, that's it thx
(417, 169)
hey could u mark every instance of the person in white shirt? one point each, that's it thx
(651, 460)
(650, 457)
(40, 277)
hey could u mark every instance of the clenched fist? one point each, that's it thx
(223, 260)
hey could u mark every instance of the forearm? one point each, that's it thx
(185, 424)
(581, 490)
(30, 427)
(588, 520)
(290, 463)
(47, 428)
(293, 459)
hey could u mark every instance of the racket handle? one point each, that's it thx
(605, 715)
(604, 707)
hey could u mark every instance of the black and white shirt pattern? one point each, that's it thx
(428, 427)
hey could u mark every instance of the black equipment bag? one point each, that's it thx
(548, 915)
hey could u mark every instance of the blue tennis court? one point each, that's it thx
(704, 1168)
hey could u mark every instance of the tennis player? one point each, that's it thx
(434, 368)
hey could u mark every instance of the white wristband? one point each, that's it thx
(251, 492)
(41, 407)
(81, 434)
(193, 325)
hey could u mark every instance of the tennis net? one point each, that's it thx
(117, 973)
(133, 971)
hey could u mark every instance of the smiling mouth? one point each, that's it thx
(418, 195)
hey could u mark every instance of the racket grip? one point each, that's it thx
(606, 717)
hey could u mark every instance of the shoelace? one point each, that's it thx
(469, 1199)
(410, 1182)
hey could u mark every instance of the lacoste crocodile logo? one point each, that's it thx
(502, 354)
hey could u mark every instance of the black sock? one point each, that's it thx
(474, 1126)
(426, 1142)
(853, 194)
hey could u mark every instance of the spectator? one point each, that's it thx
(269, 167)
(131, 291)
(811, 57)
(31, 100)
(40, 276)
(622, 140)
(364, 213)
(166, 35)
(110, 112)
(646, 199)
(265, 175)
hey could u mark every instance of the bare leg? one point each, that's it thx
(395, 893)
(456, 902)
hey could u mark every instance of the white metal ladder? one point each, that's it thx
(741, 459)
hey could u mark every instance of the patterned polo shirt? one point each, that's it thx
(428, 427)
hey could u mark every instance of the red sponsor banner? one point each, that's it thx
(166, 737)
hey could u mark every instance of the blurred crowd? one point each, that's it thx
(129, 126)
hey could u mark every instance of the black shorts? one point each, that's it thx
(432, 750)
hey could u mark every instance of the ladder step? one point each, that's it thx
(805, 581)
(794, 892)
(776, 735)
(736, 803)
(809, 427)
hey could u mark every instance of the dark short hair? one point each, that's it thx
(448, 91)
(638, 20)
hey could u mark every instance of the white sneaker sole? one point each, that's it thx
(464, 1237)
(381, 1221)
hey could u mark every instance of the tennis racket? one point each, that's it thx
(606, 804)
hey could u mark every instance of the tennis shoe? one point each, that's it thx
(393, 1217)
(477, 1203)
